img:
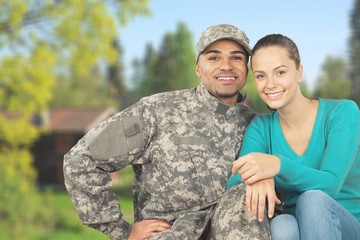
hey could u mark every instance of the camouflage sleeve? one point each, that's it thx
(108, 147)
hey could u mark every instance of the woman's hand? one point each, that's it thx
(148, 228)
(256, 166)
(256, 196)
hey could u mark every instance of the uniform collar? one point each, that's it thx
(217, 106)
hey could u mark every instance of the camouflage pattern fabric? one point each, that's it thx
(232, 220)
(221, 31)
(187, 226)
(181, 145)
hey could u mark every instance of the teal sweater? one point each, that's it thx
(331, 162)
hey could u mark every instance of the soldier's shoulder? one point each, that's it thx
(169, 97)
(248, 112)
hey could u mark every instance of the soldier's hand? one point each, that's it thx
(147, 229)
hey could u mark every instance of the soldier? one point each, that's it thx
(181, 145)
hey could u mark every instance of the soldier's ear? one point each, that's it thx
(197, 70)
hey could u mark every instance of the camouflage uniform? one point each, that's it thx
(181, 145)
(231, 220)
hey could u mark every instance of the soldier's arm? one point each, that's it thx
(109, 147)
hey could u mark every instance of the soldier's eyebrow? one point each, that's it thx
(218, 52)
(212, 51)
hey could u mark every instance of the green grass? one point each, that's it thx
(52, 215)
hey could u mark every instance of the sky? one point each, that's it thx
(320, 28)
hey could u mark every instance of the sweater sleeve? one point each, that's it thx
(254, 141)
(342, 134)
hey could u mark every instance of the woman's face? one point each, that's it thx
(276, 77)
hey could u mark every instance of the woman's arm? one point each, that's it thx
(261, 192)
(342, 133)
(342, 129)
(256, 166)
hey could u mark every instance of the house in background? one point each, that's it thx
(65, 127)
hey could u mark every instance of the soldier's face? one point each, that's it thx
(222, 68)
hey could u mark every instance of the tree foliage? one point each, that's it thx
(172, 67)
(66, 46)
(24, 91)
(82, 36)
(333, 82)
(354, 46)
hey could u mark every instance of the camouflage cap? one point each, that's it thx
(221, 31)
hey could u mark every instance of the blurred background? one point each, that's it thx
(66, 65)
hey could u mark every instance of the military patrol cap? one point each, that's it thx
(221, 31)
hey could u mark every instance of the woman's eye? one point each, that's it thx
(259, 77)
(280, 73)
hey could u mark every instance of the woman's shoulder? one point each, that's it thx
(264, 119)
(339, 105)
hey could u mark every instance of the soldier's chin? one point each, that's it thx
(226, 95)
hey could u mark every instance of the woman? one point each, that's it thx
(310, 147)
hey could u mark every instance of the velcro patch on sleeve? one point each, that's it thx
(116, 138)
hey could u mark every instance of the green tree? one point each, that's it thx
(333, 82)
(184, 71)
(45, 46)
(22, 93)
(172, 67)
(115, 75)
(354, 46)
(81, 34)
(147, 72)
(85, 40)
